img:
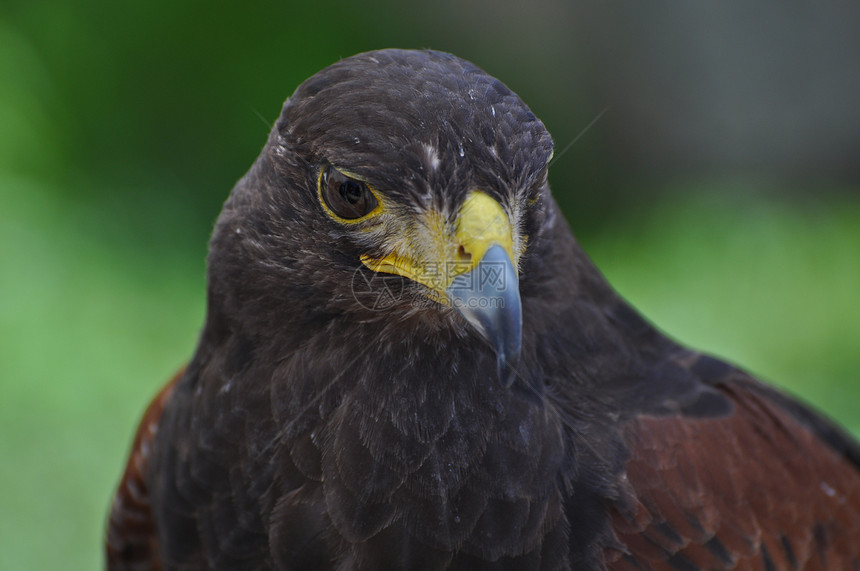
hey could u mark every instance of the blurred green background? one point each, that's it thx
(718, 192)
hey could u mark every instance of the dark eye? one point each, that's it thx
(346, 197)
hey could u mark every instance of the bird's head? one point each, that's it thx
(395, 185)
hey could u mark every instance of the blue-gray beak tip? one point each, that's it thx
(489, 298)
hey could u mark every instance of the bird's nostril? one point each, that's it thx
(463, 255)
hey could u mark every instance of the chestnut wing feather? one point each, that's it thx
(768, 487)
(131, 541)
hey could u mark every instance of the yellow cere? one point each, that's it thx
(439, 252)
(482, 223)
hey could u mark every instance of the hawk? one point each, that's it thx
(408, 362)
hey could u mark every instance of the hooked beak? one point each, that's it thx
(489, 298)
(470, 267)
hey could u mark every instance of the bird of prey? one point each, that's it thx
(408, 362)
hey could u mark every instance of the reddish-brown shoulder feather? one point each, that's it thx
(131, 541)
(756, 490)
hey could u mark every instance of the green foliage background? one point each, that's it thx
(123, 127)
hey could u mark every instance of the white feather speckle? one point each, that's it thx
(431, 156)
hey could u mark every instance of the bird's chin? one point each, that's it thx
(484, 302)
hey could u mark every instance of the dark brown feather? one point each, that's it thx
(131, 542)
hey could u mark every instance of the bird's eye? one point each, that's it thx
(346, 197)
